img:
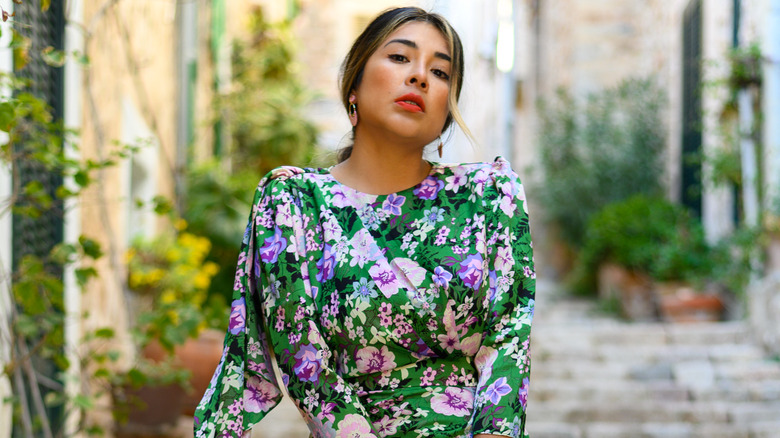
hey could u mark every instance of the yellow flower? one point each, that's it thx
(180, 224)
(155, 275)
(167, 297)
(136, 279)
(202, 281)
(211, 268)
(173, 316)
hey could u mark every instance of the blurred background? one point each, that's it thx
(647, 134)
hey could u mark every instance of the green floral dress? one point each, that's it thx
(404, 315)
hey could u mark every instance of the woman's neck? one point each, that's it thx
(382, 170)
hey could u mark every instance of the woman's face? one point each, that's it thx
(405, 84)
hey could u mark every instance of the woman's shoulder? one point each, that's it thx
(288, 176)
(495, 171)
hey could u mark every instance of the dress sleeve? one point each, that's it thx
(503, 359)
(274, 311)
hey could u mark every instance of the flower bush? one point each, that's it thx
(649, 235)
(171, 276)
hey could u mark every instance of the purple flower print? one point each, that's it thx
(492, 285)
(372, 360)
(354, 426)
(326, 264)
(471, 271)
(385, 278)
(457, 180)
(498, 389)
(453, 401)
(259, 395)
(237, 316)
(392, 204)
(339, 198)
(441, 277)
(273, 246)
(308, 364)
(523, 393)
(429, 188)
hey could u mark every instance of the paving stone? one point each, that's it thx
(755, 412)
(694, 374)
(652, 372)
(553, 430)
(748, 371)
(766, 429)
(709, 333)
(736, 353)
(720, 431)
(764, 390)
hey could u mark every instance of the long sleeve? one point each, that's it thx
(503, 360)
(274, 310)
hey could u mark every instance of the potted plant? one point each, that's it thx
(772, 230)
(650, 253)
(148, 398)
(169, 277)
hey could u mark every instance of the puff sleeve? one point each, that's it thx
(273, 310)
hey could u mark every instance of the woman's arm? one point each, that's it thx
(273, 310)
(503, 360)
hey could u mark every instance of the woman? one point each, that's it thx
(396, 294)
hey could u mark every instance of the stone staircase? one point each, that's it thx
(594, 376)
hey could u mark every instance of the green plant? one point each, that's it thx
(648, 235)
(170, 275)
(217, 207)
(746, 66)
(265, 109)
(40, 362)
(264, 116)
(600, 152)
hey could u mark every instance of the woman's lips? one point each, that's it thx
(411, 102)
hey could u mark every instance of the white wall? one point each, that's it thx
(6, 65)
(74, 42)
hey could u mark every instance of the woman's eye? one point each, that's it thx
(441, 74)
(398, 58)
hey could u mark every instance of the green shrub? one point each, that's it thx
(645, 234)
(600, 152)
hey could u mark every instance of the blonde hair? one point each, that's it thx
(375, 33)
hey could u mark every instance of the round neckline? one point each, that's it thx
(434, 167)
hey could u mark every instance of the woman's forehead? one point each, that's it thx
(421, 34)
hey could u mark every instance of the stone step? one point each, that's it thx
(609, 392)
(622, 334)
(554, 352)
(661, 391)
(653, 430)
(642, 411)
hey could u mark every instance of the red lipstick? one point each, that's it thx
(411, 102)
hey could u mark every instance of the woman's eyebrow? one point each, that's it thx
(413, 45)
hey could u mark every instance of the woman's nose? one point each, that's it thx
(418, 77)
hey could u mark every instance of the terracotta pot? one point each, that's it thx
(691, 307)
(150, 410)
(773, 253)
(200, 356)
(632, 289)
